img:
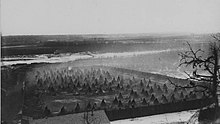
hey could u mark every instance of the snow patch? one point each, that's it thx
(183, 116)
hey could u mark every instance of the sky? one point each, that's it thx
(20, 17)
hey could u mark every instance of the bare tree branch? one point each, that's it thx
(216, 37)
(192, 85)
(198, 77)
(200, 64)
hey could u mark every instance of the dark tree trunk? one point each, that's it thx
(215, 76)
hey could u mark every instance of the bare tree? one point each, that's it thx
(205, 75)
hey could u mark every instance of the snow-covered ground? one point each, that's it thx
(50, 58)
(44, 59)
(183, 116)
(153, 61)
(129, 54)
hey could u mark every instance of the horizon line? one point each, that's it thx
(150, 33)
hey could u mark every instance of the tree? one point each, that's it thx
(205, 75)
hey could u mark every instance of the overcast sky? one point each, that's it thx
(109, 16)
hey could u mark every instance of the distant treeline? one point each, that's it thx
(30, 39)
(119, 114)
(51, 47)
(34, 39)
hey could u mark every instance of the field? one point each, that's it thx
(107, 72)
(101, 87)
